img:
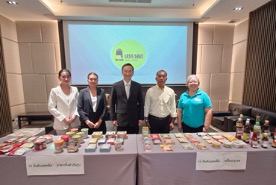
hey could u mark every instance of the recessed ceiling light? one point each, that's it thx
(12, 2)
(238, 8)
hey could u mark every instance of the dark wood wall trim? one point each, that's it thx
(61, 43)
(195, 42)
(5, 113)
(260, 76)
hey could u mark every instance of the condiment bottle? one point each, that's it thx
(254, 140)
(239, 128)
(247, 132)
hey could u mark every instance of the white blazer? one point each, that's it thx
(61, 106)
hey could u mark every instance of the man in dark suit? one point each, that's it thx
(127, 104)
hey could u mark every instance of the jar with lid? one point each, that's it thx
(58, 145)
(65, 139)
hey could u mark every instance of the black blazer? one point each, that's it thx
(85, 107)
(126, 111)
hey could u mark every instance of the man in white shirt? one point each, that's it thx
(160, 106)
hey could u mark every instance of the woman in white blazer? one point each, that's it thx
(62, 104)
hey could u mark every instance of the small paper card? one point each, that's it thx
(55, 165)
(221, 161)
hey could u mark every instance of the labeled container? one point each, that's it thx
(81, 134)
(118, 145)
(65, 139)
(76, 139)
(70, 134)
(85, 131)
(58, 145)
(40, 144)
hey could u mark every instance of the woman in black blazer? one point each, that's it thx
(92, 106)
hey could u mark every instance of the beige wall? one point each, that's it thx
(32, 60)
(221, 62)
(40, 60)
(215, 43)
(238, 62)
(12, 66)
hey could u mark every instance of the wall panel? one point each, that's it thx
(260, 76)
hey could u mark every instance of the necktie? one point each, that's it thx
(127, 89)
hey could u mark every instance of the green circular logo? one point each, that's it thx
(129, 51)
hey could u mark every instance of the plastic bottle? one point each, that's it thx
(254, 140)
(247, 132)
(266, 128)
(257, 128)
(265, 140)
(239, 128)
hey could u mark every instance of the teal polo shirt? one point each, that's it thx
(193, 108)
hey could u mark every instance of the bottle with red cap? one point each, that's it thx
(254, 140)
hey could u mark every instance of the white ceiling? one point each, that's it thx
(205, 11)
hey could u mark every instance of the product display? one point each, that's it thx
(27, 145)
(118, 143)
(178, 135)
(216, 144)
(111, 141)
(65, 139)
(91, 148)
(229, 137)
(187, 146)
(40, 144)
(227, 144)
(81, 134)
(58, 145)
(85, 131)
(239, 144)
(97, 134)
(110, 134)
(72, 147)
(70, 135)
(166, 148)
(121, 134)
(76, 139)
(105, 148)
(101, 141)
(48, 137)
(156, 140)
(150, 142)
(93, 141)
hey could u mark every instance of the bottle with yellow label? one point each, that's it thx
(247, 132)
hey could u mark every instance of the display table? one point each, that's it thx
(100, 168)
(179, 167)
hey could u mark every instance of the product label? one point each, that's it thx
(208, 161)
(54, 165)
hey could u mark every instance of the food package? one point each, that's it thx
(90, 148)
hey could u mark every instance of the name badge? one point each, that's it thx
(197, 99)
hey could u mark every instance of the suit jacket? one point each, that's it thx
(85, 107)
(126, 111)
(62, 106)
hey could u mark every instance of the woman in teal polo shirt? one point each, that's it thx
(194, 111)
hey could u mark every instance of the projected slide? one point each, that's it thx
(105, 48)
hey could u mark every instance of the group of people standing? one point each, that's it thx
(88, 108)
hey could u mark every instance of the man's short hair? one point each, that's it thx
(128, 64)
